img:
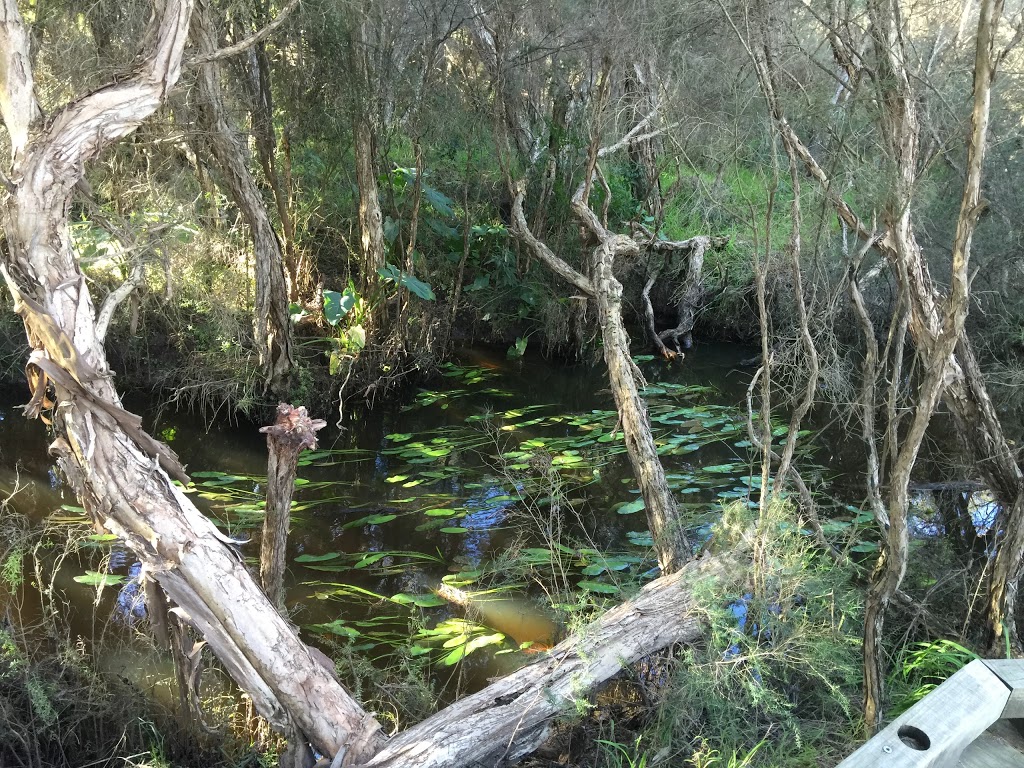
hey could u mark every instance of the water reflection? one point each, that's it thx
(561, 414)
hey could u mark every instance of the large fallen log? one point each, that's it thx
(509, 719)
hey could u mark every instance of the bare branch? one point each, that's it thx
(116, 297)
(522, 230)
(243, 45)
(629, 137)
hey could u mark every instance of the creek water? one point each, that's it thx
(505, 483)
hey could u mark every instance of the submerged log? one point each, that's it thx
(509, 719)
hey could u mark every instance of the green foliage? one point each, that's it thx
(923, 667)
(411, 283)
(517, 350)
(783, 657)
(11, 572)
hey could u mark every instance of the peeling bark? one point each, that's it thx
(670, 538)
(291, 433)
(371, 220)
(118, 471)
(935, 321)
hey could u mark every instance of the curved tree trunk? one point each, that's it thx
(669, 535)
(118, 471)
(272, 322)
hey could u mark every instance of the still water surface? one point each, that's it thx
(510, 462)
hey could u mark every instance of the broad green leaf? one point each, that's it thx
(597, 586)
(96, 579)
(631, 507)
(317, 558)
(420, 601)
(337, 305)
(378, 519)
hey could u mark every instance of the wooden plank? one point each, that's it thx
(1011, 672)
(934, 732)
(991, 751)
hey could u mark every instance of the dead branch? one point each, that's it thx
(243, 45)
(116, 297)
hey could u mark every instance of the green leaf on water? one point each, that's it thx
(640, 538)
(96, 579)
(630, 507)
(454, 529)
(597, 586)
(720, 468)
(338, 627)
(370, 520)
(441, 513)
(455, 656)
(317, 558)
(421, 601)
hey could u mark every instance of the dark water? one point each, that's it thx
(521, 454)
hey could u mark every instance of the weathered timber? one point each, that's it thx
(935, 732)
(1011, 672)
(291, 433)
(998, 747)
(509, 718)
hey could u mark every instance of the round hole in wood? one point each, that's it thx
(914, 738)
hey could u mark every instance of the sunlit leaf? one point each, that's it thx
(97, 579)
(421, 601)
(597, 586)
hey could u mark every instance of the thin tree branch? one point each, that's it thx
(116, 297)
(522, 230)
(243, 45)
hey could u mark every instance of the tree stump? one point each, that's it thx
(291, 433)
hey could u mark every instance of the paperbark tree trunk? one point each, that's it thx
(120, 473)
(669, 534)
(371, 221)
(272, 324)
(291, 433)
(266, 150)
(935, 321)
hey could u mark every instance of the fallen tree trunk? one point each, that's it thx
(510, 718)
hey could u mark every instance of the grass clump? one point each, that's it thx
(776, 682)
